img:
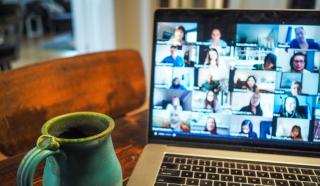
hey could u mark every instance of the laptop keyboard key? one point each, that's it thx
(229, 165)
(188, 174)
(206, 183)
(249, 173)
(240, 179)
(233, 184)
(254, 180)
(265, 181)
(213, 177)
(276, 175)
(254, 167)
(192, 162)
(242, 166)
(263, 174)
(281, 169)
(317, 172)
(295, 183)
(268, 168)
(169, 166)
(168, 159)
(289, 177)
(197, 168)
(204, 162)
(210, 169)
(169, 172)
(226, 178)
(160, 184)
(192, 181)
(282, 183)
(200, 175)
(185, 167)
(294, 170)
(314, 179)
(170, 179)
(223, 171)
(236, 172)
(219, 183)
(307, 171)
(303, 178)
(309, 184)
(180, 160)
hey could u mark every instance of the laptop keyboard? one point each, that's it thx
(190, 170)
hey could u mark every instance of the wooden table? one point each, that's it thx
(129, 138)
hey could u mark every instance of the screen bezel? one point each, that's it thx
(249, 16)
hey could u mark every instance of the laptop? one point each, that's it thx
(234, 99)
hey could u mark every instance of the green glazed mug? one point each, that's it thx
(78, 151)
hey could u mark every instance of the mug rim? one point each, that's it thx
(50, 122)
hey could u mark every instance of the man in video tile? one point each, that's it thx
(173, 58)
(301, 41)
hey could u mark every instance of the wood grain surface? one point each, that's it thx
(107, 82)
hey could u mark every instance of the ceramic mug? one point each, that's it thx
(78, 151)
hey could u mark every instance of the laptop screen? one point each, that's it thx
(248, 77)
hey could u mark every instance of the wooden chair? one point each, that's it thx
(107, 82)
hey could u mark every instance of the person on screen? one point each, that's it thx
(210, 84)
(216, 41)
(178, 37)
(212, 58)
(175, 105)
(211, 125)
(251, 84)
(270, 62)
(291, 108)
(295, 88)
(298, 63)
(295, 133)
(176, 84)
(174, 110)
(301, 41)
(210, 101)
(247, 129)
(254, 106)
(173, 58)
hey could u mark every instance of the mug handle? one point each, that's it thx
(46, 146)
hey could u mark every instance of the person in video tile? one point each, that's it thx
(174, 110)
(178, 37)
(211, 125)
(295, 133)
(301, 41)
(291, 108)
(270, 62)
(296, 88)
(254, 106)
(176, 84)
(173, 58)
(210, 84)
(298, 63)
(212, 58)
(251, 84)
(216, 40)
(211, 101)
(247, 129)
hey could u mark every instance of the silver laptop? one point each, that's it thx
(234, 99)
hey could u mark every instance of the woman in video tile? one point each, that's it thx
(211, 125)
(291, 108)
(178, 38)
(301, 41)
(270, 63)
(298, 63)
(212, 58)
(295, 133)
(176, 84)
(254, 106)
(251, 84)
(211, 101)
(296, 88)
(247, 129)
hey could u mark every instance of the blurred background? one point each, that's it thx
(32, 31)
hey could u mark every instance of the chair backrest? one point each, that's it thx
(108, 82)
